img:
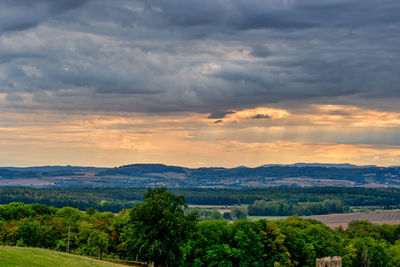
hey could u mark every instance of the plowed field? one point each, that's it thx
(335, 220)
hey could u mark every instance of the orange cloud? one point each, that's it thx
(324, 133)
(261, 112)
(354, 116)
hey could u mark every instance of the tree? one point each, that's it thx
(98, 240)
(158, 228)
(29, 233)
(379, 255)
(394, 255)
(209, 245)
(275, 252)
(297, 241)
(238, 212)
(247, 240)
(216, 215)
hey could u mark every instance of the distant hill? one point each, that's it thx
(155, 175)
(28, 257)
(141, 169)
(322, 165)
(53, 168)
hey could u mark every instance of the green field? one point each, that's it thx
(36, 257)
(268, 218)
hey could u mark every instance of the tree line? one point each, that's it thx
(275, 208)
(162, 231)
(266, 201)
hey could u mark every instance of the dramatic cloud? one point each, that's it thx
(255, 71)
(190, 56)
(25, 14)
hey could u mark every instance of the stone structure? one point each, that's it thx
(329, 262)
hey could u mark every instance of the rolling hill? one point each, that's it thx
(154, 175)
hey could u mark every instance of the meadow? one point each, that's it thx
(38, 257)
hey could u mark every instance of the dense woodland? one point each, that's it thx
(268, 201)
(160, 230)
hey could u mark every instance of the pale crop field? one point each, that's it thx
(377, 217)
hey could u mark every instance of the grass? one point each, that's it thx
(37, 257)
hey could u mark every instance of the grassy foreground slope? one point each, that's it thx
(29, 257)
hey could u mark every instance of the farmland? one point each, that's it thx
(378, 217)
(343, 220)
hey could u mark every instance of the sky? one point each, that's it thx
(199, 83)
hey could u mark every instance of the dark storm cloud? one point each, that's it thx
(277, 14)
(260, 51)
(24, 14)
(210, 57)
(219, 114)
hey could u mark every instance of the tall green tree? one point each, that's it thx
(98, 240)
(158, 228)
(209, 246)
